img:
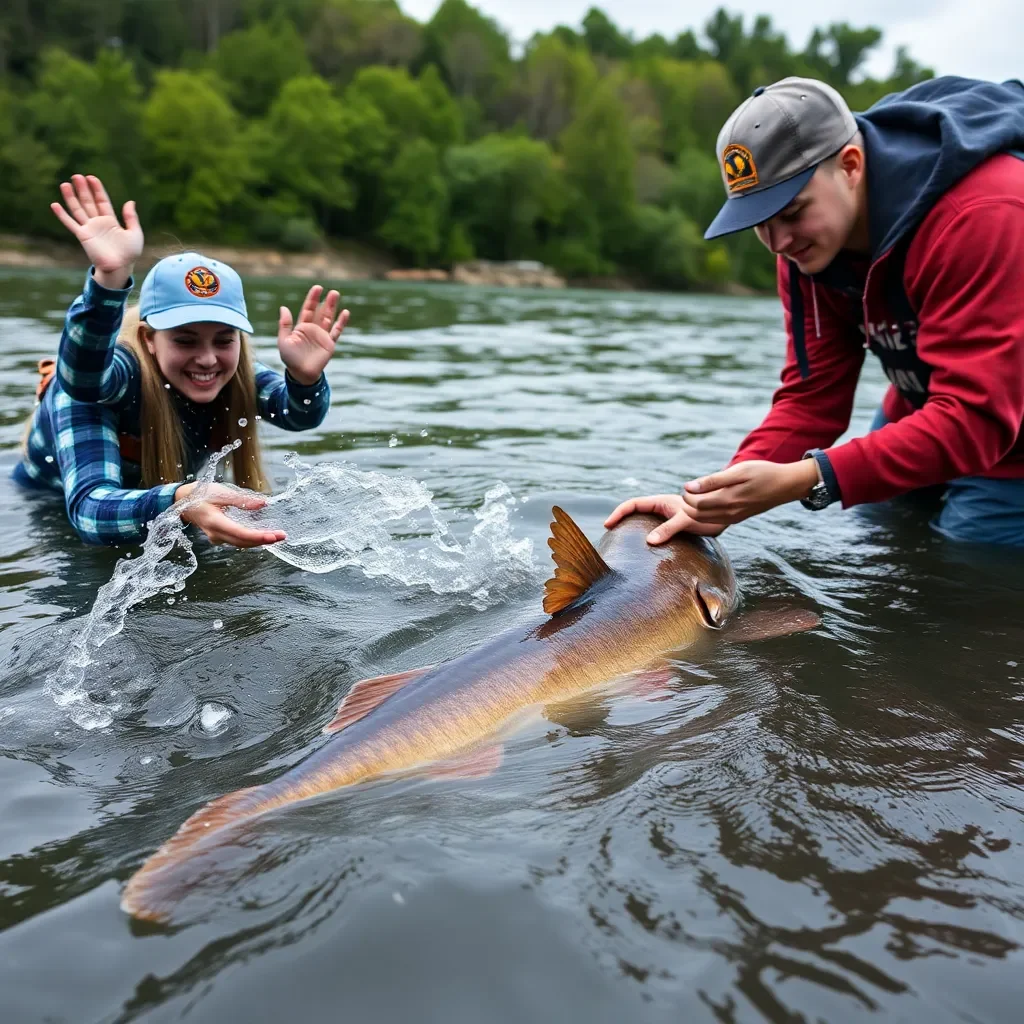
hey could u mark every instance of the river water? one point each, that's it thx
(821, 827)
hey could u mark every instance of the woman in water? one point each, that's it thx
(135, 402)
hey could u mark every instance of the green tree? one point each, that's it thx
(697, 187)
(194, 158)
(470, 48)
(416, 197)
(728, 40)
(255, 62)
(686, 47)
(307, 147)
(411, 108)
(87, 115)
(506, 193)
(695, 99)
(598, 160)
(767, 57)
(603, 38)
(349, 34)
(666, 246)
(653, 46)
(29, 172)
(557, 78)
(839, 51)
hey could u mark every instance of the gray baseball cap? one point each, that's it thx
(772, 144)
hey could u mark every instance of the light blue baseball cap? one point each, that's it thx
(189, 288)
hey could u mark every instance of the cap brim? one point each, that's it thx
(199, 313)
(749, 209)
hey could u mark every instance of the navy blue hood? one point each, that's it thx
(922, 141)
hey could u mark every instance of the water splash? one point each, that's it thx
(389, 526)
(335, 515)
(134, 580)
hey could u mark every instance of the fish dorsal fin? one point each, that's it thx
(577, 564)
(368, 694)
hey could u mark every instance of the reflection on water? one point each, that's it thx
(823, 827)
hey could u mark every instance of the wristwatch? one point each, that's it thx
(821, 495)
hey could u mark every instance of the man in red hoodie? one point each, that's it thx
(901, 231)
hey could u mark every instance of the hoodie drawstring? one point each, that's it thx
(817, 321)
(796, 319)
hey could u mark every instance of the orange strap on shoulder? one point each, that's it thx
(47, 369)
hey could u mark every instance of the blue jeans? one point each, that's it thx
(976, 509)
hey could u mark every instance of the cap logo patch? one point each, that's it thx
(740, 170)
(202, 282)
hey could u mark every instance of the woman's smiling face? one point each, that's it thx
(197, 360)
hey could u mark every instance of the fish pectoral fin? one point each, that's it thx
(651, 683)
(766, 623)
(368, 694)
(477, 764)
(578, 566)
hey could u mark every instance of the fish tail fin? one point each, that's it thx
(161, 880)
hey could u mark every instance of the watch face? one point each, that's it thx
(818, 498)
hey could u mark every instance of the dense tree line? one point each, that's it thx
(294, 122)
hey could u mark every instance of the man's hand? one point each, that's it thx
(747, 489)
(673, 508)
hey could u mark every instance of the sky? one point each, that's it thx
(973, 38)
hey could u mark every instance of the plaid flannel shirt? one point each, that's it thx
(73, 446)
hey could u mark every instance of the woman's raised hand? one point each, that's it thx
(90, 217)
(307, 346)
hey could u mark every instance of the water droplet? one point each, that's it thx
(306, 401)
(393, 441)
(243, 422)
(449, 440)
(271, 415)
(423, 433)
(213, 717)
(284, 411)
(49, 458)
(168, 386)
(218, 624)
(184, 597)
(398, 898)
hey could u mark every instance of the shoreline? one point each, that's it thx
(346, 262)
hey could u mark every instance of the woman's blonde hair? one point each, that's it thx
(163, 443)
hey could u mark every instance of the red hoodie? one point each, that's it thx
(964, 278)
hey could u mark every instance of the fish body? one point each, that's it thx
(609, 612)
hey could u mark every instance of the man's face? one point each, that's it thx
(817, 223)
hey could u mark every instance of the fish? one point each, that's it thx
(611, 614)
